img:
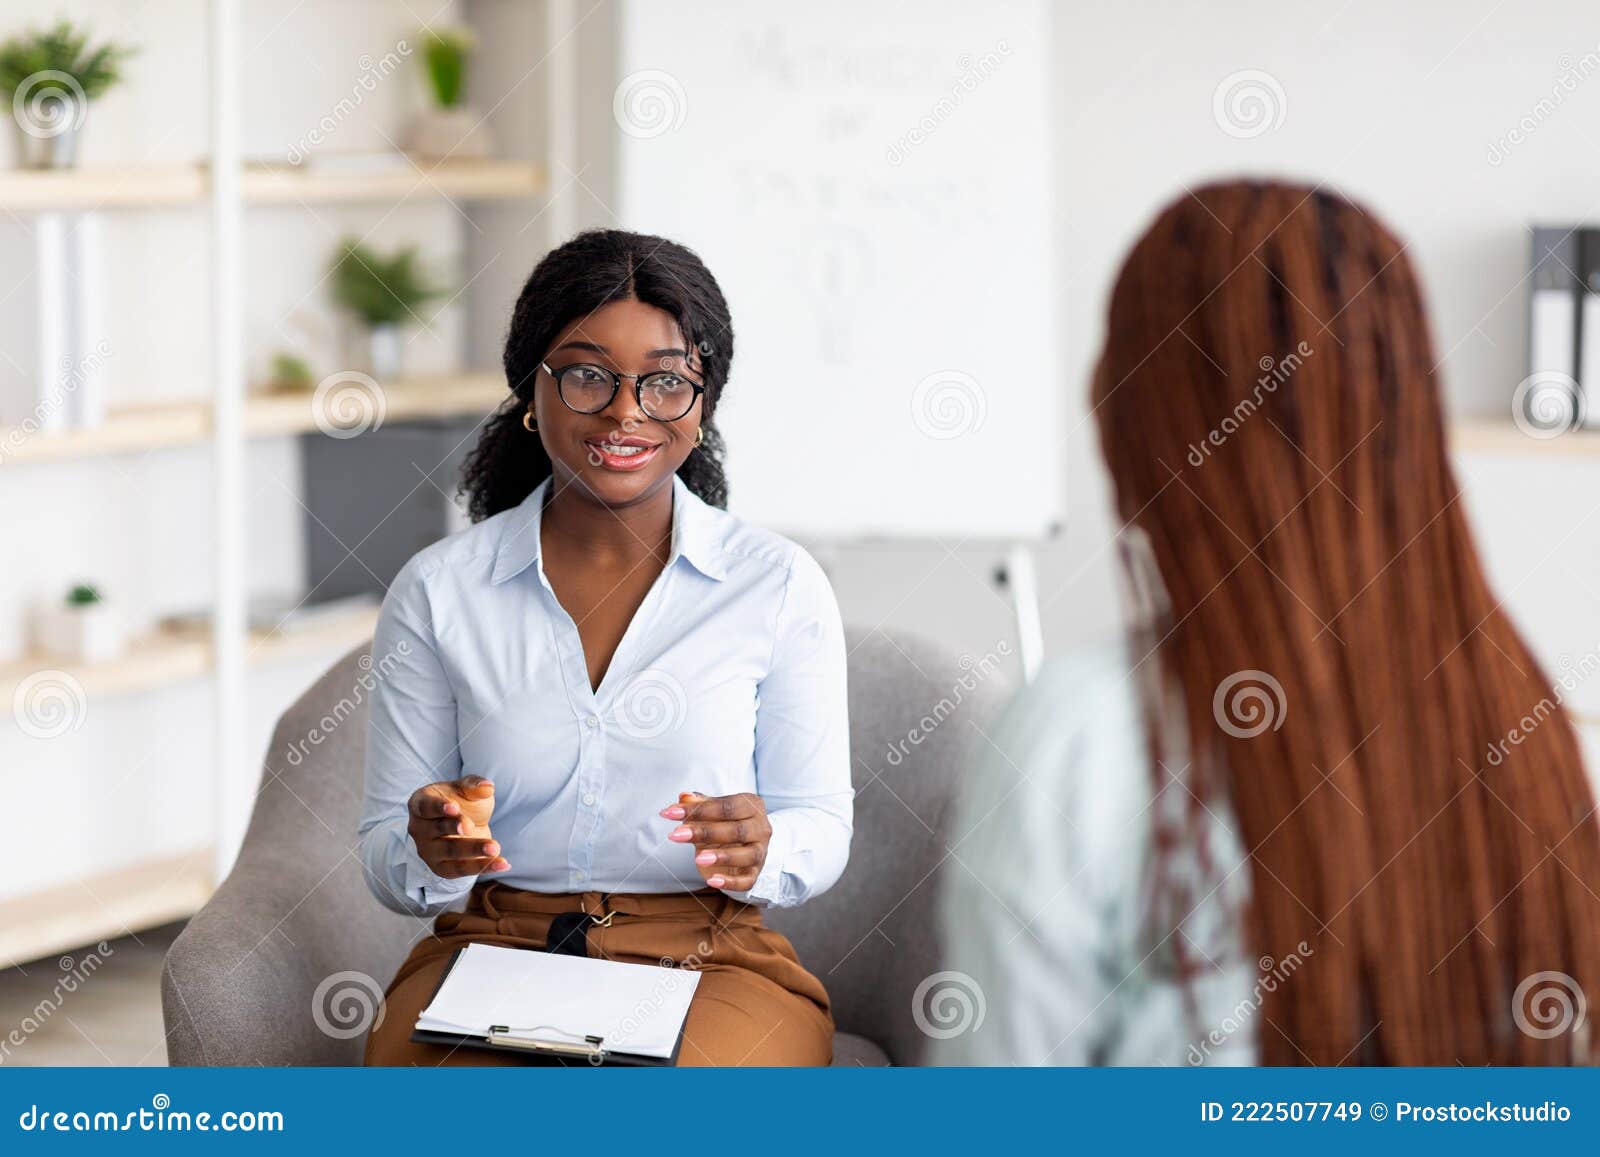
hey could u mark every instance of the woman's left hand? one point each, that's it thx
(730, 834)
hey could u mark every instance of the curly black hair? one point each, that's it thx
(595, 268)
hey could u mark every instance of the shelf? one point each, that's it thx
(46, 190)
(43, 191)
(416, 398)
(139, 429)
(123, 432)
(104, 907)
(466, 180)
(156, 660)
(169, 657)
(1501, 436)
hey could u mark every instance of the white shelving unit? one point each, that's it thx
(83, 190)
(164, 887)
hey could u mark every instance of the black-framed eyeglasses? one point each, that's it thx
(664, 395)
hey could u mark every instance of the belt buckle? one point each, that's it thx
(602, 922)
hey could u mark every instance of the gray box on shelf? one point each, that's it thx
(373, 501)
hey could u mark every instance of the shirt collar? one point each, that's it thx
(695, 534)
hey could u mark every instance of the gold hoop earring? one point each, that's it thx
(528, 423)
(699, 435)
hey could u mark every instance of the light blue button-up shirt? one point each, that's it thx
(730, 678)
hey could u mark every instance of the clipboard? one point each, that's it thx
(591, 1051)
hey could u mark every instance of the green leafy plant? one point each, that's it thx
(60, 49)
(381, 290)
(289, 372)
(84, 595)
(446, 51)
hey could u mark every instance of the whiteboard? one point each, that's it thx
(871, 186)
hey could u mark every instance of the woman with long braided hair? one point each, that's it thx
(1324, 807)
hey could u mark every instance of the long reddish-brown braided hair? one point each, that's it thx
(1269, 409)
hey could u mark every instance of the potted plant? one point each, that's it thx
(289, 373)
(50, 77)
(383, 293)
(82, 627)
(450, 127)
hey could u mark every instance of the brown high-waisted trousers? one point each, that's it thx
(754, 1005)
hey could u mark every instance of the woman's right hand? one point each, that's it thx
(450, 827)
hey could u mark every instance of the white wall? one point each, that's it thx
(1408, 107)
(1398, 104)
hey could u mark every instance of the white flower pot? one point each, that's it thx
(47, 133)
(92, 633)
(460, 133)
(384, 352)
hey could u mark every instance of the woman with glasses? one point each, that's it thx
(611, 716)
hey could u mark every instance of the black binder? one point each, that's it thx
(591, 1051)
(1555, 331)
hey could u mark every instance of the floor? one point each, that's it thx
(87, 1007)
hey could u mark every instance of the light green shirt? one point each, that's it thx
(1045, 918)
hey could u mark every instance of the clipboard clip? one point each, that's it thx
(591, 1048)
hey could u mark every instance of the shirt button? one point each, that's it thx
(593, 721)
(588, 799)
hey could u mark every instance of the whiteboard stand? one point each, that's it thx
(1019, 575)
(1016, 575)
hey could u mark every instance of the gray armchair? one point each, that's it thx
(285, 963)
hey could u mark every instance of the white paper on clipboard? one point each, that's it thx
(633, 1008)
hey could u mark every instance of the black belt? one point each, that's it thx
(569, 932)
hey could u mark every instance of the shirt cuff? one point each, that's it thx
(770, 887)
(426, 885)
